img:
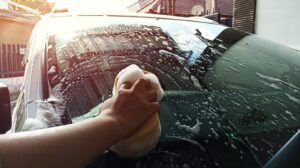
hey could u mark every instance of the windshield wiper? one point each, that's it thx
(287, 156)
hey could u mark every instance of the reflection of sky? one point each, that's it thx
(183, 32)
(185, 38)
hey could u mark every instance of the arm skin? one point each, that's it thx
(76, 145)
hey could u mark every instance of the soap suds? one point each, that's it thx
(191, 129)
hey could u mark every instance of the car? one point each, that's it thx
(5, 114)
(232, 99)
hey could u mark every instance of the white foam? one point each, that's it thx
(46, 116)
(33, 124)
(234, 69)
(271, 79)
(196, 82)
(191, 129)
(271, 85)
(167, 53)
(293, 99)
(155, 83)
(52, 70)
(132, 73)
(165, 43)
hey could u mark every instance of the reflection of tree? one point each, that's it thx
(148, 44)
(121, 40)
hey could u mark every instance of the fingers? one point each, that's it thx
(143, 87)
(151, 96)
(140, 85)
(126, 86)
(155, 107)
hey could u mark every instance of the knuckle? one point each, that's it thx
(141, 80)
(131, 91)
(121, 91)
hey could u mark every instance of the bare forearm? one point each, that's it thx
(68, 146)
(77, 144)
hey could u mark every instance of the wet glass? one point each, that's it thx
(231, 98)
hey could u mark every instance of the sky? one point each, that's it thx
(3, 4)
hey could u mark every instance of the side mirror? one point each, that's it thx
(5, 111)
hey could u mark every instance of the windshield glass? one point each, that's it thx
(103, 47)
(232, 94)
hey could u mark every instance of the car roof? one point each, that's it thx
(105, 8)
(137, 15)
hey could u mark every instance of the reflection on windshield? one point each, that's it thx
(92, 58)
(225, 91)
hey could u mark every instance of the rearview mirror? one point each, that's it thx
(5, 113)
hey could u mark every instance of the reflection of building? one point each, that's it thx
(15, 31)
(244, 15)
(143, 6)
(88, 63)
(223, 9)
(183, 7)
(220, 10)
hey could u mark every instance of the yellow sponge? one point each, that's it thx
(147, 136)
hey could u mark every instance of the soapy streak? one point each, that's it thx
(194, 130)
(270, 79)
(272, 85)
(293, 99)
(180, 59)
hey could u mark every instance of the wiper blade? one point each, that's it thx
(287, 156)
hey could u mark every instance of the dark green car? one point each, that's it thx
(231, 99)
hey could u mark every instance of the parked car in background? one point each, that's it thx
(5, 114)
(231, 98)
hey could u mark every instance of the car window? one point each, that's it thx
(232, 96)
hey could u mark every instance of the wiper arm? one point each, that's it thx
(287, 156)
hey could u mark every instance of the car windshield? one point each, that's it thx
(231, 98)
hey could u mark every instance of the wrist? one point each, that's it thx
(113, 127)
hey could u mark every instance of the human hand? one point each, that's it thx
(130, 107)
